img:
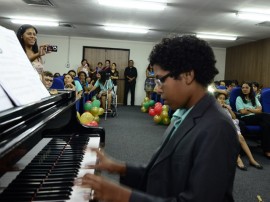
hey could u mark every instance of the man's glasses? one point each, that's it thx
(159, 81)
(50, 80)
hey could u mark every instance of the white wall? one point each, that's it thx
(70, 50)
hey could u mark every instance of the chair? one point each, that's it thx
(57, 84)
(265, 100)
(251, 131)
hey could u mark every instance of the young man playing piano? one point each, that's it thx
(196, 160)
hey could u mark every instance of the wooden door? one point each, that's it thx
(118, 56)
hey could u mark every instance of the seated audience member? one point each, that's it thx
(250, 110)
(222, 83)
(47, 79)
(72, 73)
(256, 89)
(229, 86)
(83, 81)
(221, 99)
(106, 88)
(56, 75)
(72, 84)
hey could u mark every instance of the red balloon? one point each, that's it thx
(158, 109)
(88, 101)
(158, 104)
(152, 112)
(92, 123)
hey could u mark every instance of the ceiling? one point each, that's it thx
(85, 18)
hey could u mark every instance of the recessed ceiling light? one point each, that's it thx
(144, 5)
(253, 16)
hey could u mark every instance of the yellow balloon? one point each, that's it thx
(146, 99)
(165, 108)
(143, 109)
(94, 111)
(166, 121)
(78, 116)
(164, 114)
(86, 118)
(157, 119)
(96, 118)
(100, 111)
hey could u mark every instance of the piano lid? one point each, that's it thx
(19, 123)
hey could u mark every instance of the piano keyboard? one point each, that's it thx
(47, 172)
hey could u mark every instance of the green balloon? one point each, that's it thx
(151, 103)
(146, 105)
(87, 106)
(96, 103)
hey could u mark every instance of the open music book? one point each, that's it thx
(20, 81)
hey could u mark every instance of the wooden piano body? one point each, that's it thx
(42, 150)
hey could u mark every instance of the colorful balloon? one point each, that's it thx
(96, 103)
(143, 109)
(166, 121)
(151, 112)
(165, 108)
(87, 106)
(151, 103)
(146, 99)
(94, 111)
(100, 111)
(164, 114)
(86, 117)
(97, 119)
(157, 119)
(158, 109)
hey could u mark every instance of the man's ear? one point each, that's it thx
(189, 76)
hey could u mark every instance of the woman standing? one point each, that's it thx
(114, 76)
(27, 35)
(84, 67)
(149, 84)
(251, 113)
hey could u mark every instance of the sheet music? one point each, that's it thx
(17, 76)
(5, 102)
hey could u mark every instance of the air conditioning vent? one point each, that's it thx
(39, 3)
(264, 24)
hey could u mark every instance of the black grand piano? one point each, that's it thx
(42, 149)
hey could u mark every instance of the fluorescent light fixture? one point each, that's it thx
(144, 5)
(253, 16)
(130, 29)
(216, 36)
(35, 22)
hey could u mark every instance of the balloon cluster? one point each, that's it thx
(159, 112)
(146, 104)
(92, 112)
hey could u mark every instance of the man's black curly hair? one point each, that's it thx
(183, 54)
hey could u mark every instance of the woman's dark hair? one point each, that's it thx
(20, 33)
(251, 94)
(72, 71)
(256, 84)
(82, 72)
(84, 60)
(56, 74)
(184, 54)
(103, 77)
(218, 94)
(149, 67)
(100, 63)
